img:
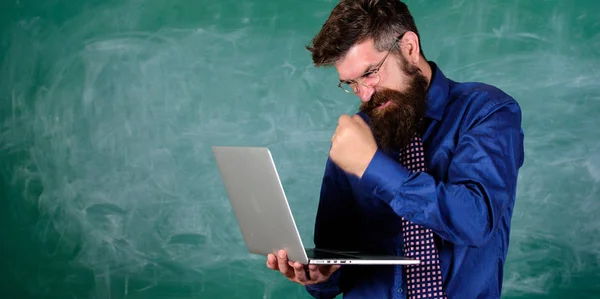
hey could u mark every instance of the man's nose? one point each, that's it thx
(365, 93)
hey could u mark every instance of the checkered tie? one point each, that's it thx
(425, 279)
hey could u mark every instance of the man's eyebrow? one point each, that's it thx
(367, 69)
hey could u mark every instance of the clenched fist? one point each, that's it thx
(353, 145)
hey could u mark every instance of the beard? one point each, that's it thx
(394, 126)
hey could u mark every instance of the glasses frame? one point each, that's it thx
(361, 79)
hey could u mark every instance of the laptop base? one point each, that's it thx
(334, 257)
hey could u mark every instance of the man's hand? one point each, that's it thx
(296, 272)
(353, 145)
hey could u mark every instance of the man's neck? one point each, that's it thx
(426, 70)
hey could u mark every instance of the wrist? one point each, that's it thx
(368, 157)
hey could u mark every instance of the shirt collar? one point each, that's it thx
(437, 95)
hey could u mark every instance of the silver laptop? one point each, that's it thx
(263, 213)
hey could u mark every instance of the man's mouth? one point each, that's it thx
(382, 105)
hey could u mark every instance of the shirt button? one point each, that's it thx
(400, 290)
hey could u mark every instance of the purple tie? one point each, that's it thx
(425, 279)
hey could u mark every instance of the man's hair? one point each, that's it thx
(354, 21)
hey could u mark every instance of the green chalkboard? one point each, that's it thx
(109, 109)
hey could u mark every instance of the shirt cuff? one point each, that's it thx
(383, 177)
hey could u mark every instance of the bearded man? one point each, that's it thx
(427, 168)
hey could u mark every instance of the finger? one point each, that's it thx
(359, 120)
(319, 274)
(272, 261)
(300, 273)
(334, 136)
(323, 270)
(284, 268)
(315, 273)
(337, 130)
(326, 271)
(334, 139)
(344, 119)
(333, 269)
(307, 273)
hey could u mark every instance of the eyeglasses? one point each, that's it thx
(370, 78)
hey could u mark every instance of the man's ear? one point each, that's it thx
(410, 47)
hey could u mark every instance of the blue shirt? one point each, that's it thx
(473, 148)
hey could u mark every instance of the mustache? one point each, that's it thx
(377, 99)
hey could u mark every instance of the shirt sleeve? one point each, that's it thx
(333, 225)
(466, 208)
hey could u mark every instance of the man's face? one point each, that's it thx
(396, 104)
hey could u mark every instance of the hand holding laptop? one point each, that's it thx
(298, 272)
(267, 224)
